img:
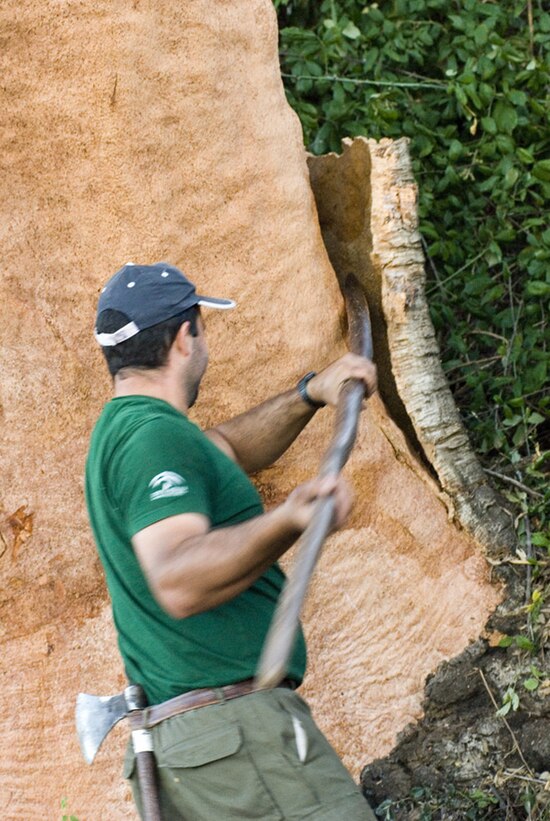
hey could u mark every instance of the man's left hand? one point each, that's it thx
(325, 386)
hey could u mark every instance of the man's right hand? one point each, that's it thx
(300, 504)
(191, 568)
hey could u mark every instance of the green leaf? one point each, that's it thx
(541, 170)
(489, 125)
(457, 22)
(524, 643)
(351, 31)
(531, 684)
(481, 35)
(504, 710)
(455, 150)
(540, 539)
(423, 146)
(505, 144)
(535, 377)
(525, 156)
(511, 177)
(538, 288)
(517, 97)
(505, 117)
(460, 95)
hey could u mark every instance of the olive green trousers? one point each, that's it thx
(260, 757)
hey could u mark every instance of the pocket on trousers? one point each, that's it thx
(203, 749)
(205, 770)
(192, 752)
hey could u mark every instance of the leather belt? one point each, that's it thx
(192, 700)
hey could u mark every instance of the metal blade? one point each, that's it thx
(95, 716)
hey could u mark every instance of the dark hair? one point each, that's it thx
(149, 348)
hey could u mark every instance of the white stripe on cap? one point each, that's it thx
(212, 302)
(124, 333)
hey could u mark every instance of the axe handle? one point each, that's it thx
(148, 788)
(282, 633)
(142, 741)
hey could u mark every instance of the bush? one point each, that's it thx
(468, 83)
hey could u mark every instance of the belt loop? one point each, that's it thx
(220, 694)
(145, 718)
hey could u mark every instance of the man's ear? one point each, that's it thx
(183, 342)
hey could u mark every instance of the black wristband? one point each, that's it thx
(302, 390)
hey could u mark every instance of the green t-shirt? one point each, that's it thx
(147, 462)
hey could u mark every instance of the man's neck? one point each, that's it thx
(156, 383)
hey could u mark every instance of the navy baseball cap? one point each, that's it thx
(149, 294)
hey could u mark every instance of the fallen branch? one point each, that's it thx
(514, 482)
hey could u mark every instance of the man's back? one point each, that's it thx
(147, 462)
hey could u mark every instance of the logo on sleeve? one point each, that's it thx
(168, 484)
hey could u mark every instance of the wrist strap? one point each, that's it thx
(302, 390)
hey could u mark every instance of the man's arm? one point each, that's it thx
(257, 438)
(191, 569)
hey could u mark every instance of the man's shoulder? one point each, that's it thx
(142, 415)
(129, 435)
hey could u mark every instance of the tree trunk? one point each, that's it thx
(366, 199)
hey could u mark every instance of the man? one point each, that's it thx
(190, 559)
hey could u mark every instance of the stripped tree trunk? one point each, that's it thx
(366, 199)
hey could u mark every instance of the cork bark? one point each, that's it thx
(367, 200)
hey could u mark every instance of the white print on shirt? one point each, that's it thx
(169, 484)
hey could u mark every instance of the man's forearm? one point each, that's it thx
(261, 435)
(205, 571)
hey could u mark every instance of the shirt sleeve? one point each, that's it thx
(162, 469)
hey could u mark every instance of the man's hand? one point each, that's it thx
(325, 386)
(257, 438)
(299, 506)
(191, 568)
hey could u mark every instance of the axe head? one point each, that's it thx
(95, 716)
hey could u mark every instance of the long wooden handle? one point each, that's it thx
(280, 639)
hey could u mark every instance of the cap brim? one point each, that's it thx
(212, 302)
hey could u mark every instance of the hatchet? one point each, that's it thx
(95, 718)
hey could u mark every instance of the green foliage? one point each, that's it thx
(66, 817)
(509, 702)
(468, 83)
(486, 804)
(423, 805)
